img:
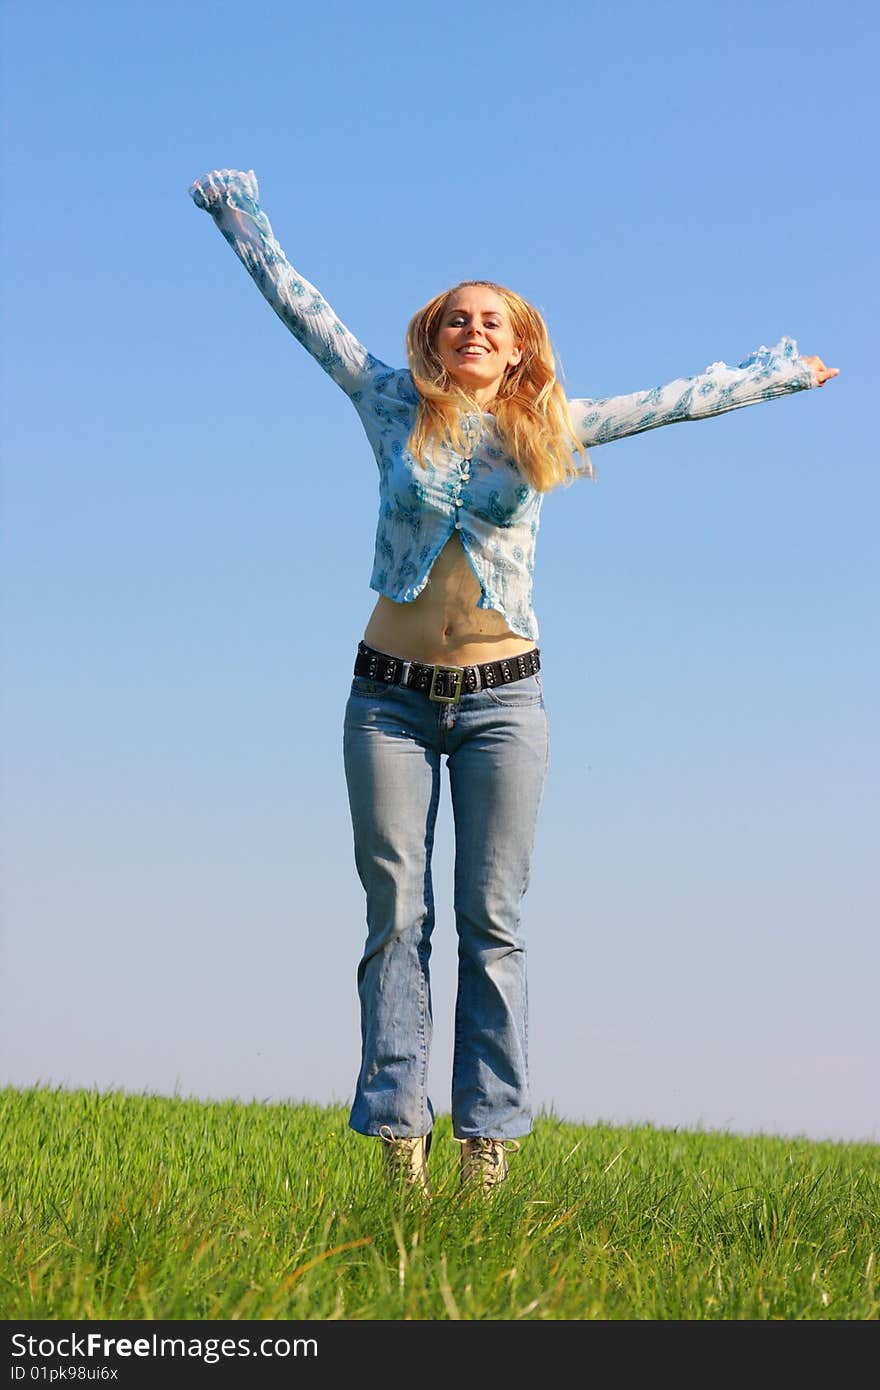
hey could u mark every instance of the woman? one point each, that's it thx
(467, 441)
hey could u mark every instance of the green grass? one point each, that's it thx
(117, 1206)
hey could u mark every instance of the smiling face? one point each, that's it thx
(475, 341)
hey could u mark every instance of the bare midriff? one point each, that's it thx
(444, 625)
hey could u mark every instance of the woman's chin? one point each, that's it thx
(473, 381)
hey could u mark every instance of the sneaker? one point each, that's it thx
(406, 1160)
(484, 1162)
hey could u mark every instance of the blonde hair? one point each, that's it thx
(530, 408)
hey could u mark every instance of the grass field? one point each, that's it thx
(119, 1206)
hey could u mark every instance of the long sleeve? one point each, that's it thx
(231, 198)
(765, 374)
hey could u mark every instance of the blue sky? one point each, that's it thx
(182, 594)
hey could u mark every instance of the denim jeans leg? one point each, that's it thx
(393, 778)
(498, 756)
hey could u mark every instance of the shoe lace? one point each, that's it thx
(485, 1158)
(405, 1155)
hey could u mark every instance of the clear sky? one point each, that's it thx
(182, 594)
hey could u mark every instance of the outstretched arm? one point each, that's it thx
(230, 196)
(765, 374)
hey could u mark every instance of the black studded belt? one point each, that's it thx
(444, 683)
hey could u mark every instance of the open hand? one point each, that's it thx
(821, 373)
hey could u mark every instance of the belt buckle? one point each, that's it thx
(458, 673)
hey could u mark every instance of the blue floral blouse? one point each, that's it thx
(481, 492)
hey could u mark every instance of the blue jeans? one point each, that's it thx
(496, 746)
